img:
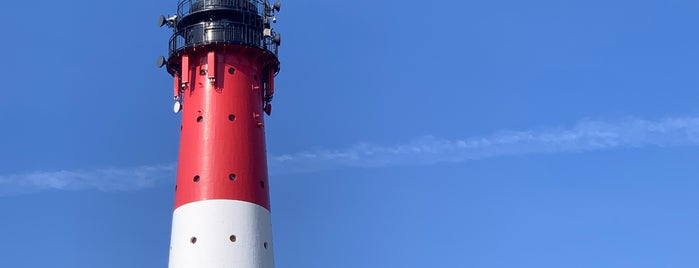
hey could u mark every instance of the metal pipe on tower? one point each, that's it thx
(223, 57)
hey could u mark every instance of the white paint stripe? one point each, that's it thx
(201, 235)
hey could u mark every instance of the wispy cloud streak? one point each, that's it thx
(106, 179)
(587, 135)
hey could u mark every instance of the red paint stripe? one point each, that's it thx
(222, 147)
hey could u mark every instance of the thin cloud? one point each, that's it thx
(107, 179)
(586, 135)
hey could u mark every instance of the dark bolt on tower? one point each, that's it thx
(223, 57)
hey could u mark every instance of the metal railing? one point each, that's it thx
(205, 33)
(186, 7)
(244, 24)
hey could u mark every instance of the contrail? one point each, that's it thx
(587, 135)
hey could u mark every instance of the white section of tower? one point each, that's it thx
(221, 234)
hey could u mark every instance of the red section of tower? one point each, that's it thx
(222, 145)
(223, 58)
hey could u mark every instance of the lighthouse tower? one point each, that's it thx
(223, 57)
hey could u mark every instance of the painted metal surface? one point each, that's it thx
(222, 146)
(222, 210)
(240, 236)
(223, 68)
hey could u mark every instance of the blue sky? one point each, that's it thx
(404, 134)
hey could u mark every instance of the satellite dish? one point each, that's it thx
(162, 21)
(277, 39)
(161, 61)
(178, 107)
(277, 6)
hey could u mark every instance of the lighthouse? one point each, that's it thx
(223, 56)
